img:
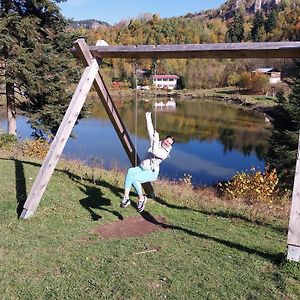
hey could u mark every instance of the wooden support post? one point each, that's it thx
(60, 140)
(83, 52)
(294, 224)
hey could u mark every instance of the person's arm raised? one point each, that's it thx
(153, 135)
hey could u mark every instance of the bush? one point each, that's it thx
(35, 148)
(233, 79)
(259, 82)
(254, 187)
(7, 140)
(254, 82)
(245, 81)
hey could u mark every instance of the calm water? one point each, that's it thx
(213, 140)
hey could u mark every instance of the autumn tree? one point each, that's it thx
(259, 82)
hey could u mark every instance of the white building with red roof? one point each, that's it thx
(168, 82)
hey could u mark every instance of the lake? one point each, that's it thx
(213, 140)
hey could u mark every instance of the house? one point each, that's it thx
(165, 81)
(274, 74)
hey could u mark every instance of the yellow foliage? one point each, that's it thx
(253, 187)
(35, 148)
(186, 179)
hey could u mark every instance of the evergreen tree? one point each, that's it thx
(36, 54)
(235, 32)
(270, 22)
(257, 26)
(283, 142)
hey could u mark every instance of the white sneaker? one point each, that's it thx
(141, 204)
(124, 202)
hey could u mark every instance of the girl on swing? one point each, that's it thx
(148, 169)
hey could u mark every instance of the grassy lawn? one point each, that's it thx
(206, 252)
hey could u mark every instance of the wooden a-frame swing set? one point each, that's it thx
(92, 55)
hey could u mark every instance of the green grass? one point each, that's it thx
(204, 254)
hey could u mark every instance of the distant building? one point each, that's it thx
(165, 81)
(274, 74)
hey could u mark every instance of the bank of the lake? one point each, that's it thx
(226, 94)
(231, 95)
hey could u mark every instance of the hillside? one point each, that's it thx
(226, 10)
(88, 24)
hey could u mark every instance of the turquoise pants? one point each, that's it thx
(136, 176)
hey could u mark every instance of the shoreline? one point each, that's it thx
(262, 103)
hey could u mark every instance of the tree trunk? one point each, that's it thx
(11, 109)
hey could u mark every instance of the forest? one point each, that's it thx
(276, 23)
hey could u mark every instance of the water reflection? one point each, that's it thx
(168, 106)
(213, 140)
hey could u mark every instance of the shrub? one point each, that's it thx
(259, 82)
(233, 79)
(186, 179)
(7, 140)
(245, 81)
(253, 187)
(35, 148)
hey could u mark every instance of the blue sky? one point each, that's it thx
(113, 11)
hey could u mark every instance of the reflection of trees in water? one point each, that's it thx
(227, 138)
(235, 129)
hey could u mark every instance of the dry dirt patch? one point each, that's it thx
(130, 227)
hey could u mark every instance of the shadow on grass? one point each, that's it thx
(95, 198)
(21, 192)
(223, 214)
(276, 258)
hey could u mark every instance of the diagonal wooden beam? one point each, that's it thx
(83, 52)
(217, 51)
(60, 140)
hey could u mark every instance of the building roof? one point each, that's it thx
(266, 70)
(165, 77)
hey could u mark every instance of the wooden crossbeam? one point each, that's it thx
(217, 51)
(60, 140)
(82, 51)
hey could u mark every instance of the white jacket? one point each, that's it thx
(156, 153)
